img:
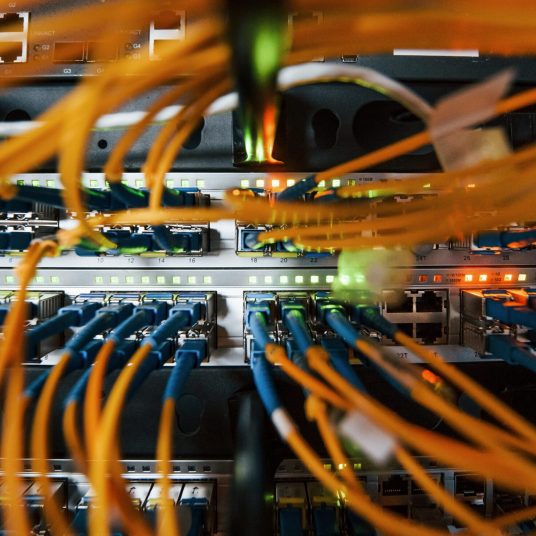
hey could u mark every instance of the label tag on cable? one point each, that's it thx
(470, 106)
(375, 442)
(466, 148)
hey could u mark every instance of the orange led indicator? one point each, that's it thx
(438, 278)
(468, 278)
(483, 277)
(423, 278)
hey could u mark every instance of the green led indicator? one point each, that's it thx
(170, 183)
(315, 279)
(299, 279)
(10, 279)
(139, 183)
(51, 183)
(268, 279)
(207, 280)
(55, 279)
(145, 279)
(330, 278)
(322, 184)
(93, 183)
(99, 280)
(185, 183)
(114, 280)
(283, 279)
(244, 183)
(259, 183)
(192, 280)
(160, 280)
(36, 182)
(252, 279)
(335, 183)
(200, 183)
(291, 182)
(176, 280)
(129, 279)
(39, 279)
(20, 182)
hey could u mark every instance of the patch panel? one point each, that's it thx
(421, 313)
(46, 332)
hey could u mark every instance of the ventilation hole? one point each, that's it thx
(325, 125)
(17, 115)
(189, 411)
(405, 116)
(194, 140)
(102, 144)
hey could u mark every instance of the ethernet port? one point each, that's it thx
(10, 52)
(406, 328)
(11, 22)
(99, 51)
(430, 332)
(168, 20)
(471, 489)
(394, 486)
(398, 302)
(429, 302)
(69, 52)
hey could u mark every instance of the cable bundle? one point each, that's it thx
(480, 197)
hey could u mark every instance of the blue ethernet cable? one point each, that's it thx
(73, 315)
(94, 199)
(297, 190)
(294, 320)
(513, 352)
(179, 316)
(107, 317)
(119, 359)
(130, 197)
(510, 314)
(134, 198)
(168, 241)
(189, 356)
(146, 314)
(505, 239)
(337, 321)
(4, 310)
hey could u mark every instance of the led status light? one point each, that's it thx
(259, 183)
(283, 279)
(508, 277)
(330, 278)
(114, 280)
(192, 280)
(207, 280)
(244, 183)
(468, 278)
(176, 280)
(522, 277)
(438, 278)
(423, 278)
(482, 277)
(252, 279)
(336, 183)
(161, 280)
(291, 182)
(268, 279)
(299, 279)
(145, 279)
(275, 183)
(315, 279)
